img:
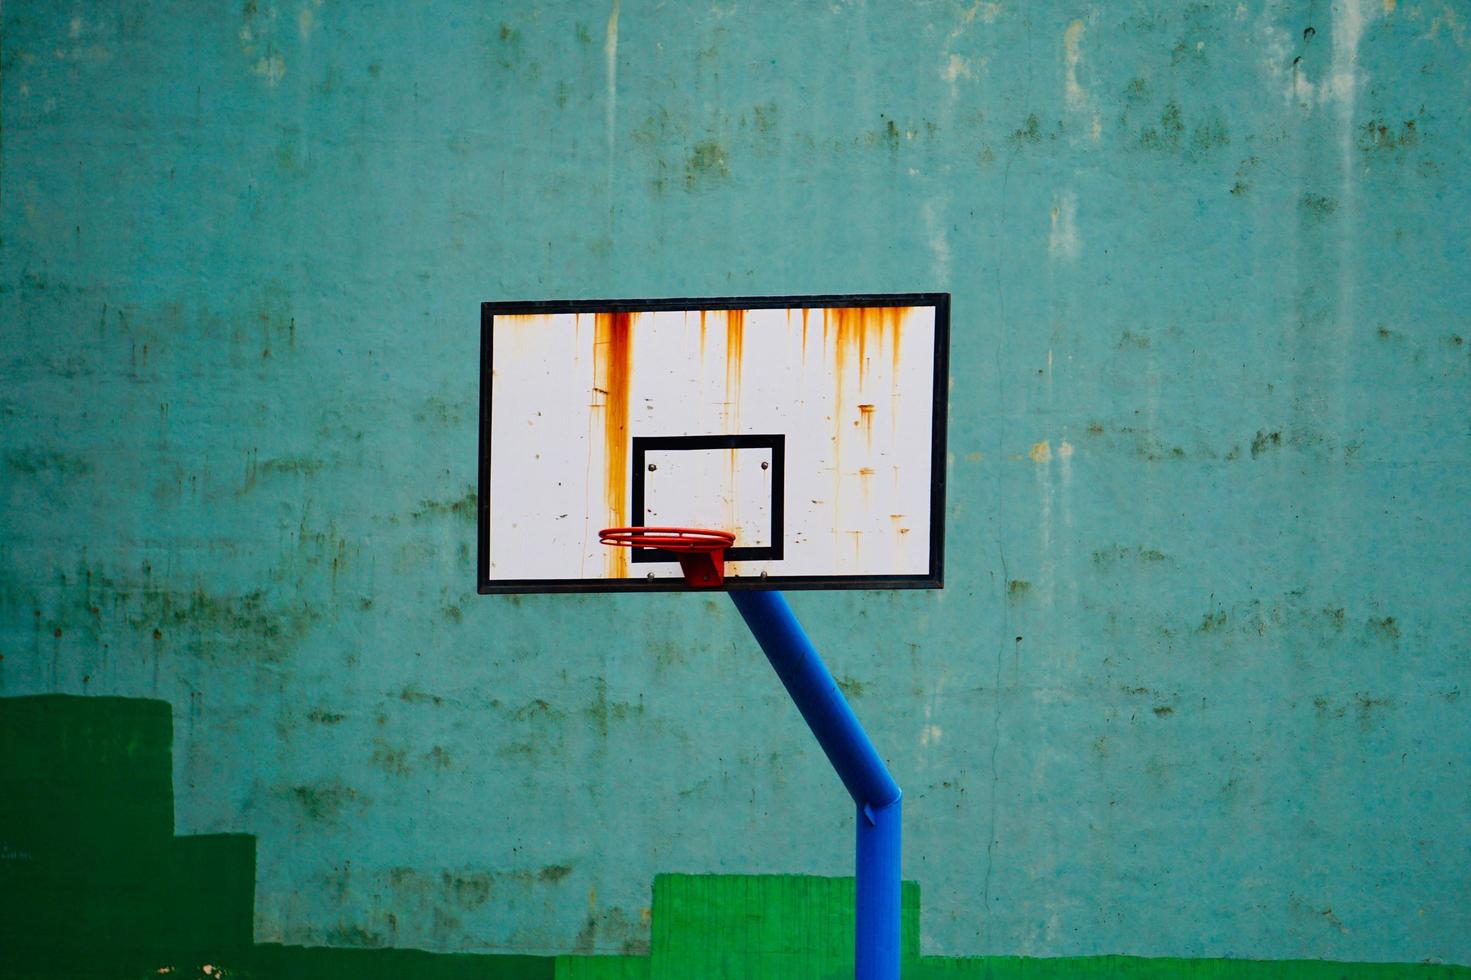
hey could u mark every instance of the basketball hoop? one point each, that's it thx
(701, 551)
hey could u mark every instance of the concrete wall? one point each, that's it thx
(1195, 685)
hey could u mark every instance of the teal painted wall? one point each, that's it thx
(1194, 687)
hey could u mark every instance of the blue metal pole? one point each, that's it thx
(876, 908)
(811, 686)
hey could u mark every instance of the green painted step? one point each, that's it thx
(603, 967)
(777, 926)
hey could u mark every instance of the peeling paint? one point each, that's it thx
(610, 61)
(1076, 97)
(1063, 241)
(271, 67)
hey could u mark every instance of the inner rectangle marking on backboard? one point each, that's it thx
(725, 489)
(724, 482)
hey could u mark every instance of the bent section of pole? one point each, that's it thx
(812, 687)
(848, 748)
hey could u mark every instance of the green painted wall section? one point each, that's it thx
(91, 874)
(93, 883)
(604, 967)
(1196, 686)
(765, 925)
(93, 886)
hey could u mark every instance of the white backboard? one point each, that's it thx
(811, 427)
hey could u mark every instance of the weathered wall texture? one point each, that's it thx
(1197, 683)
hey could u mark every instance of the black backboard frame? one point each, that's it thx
(933, 579)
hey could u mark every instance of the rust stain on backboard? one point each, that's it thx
(730, 498)
(861, 330)
(895, 318)
(612, 366)
(735, 345)
(859, 335)
(514, 332)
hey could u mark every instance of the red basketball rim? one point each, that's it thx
(667, 538)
